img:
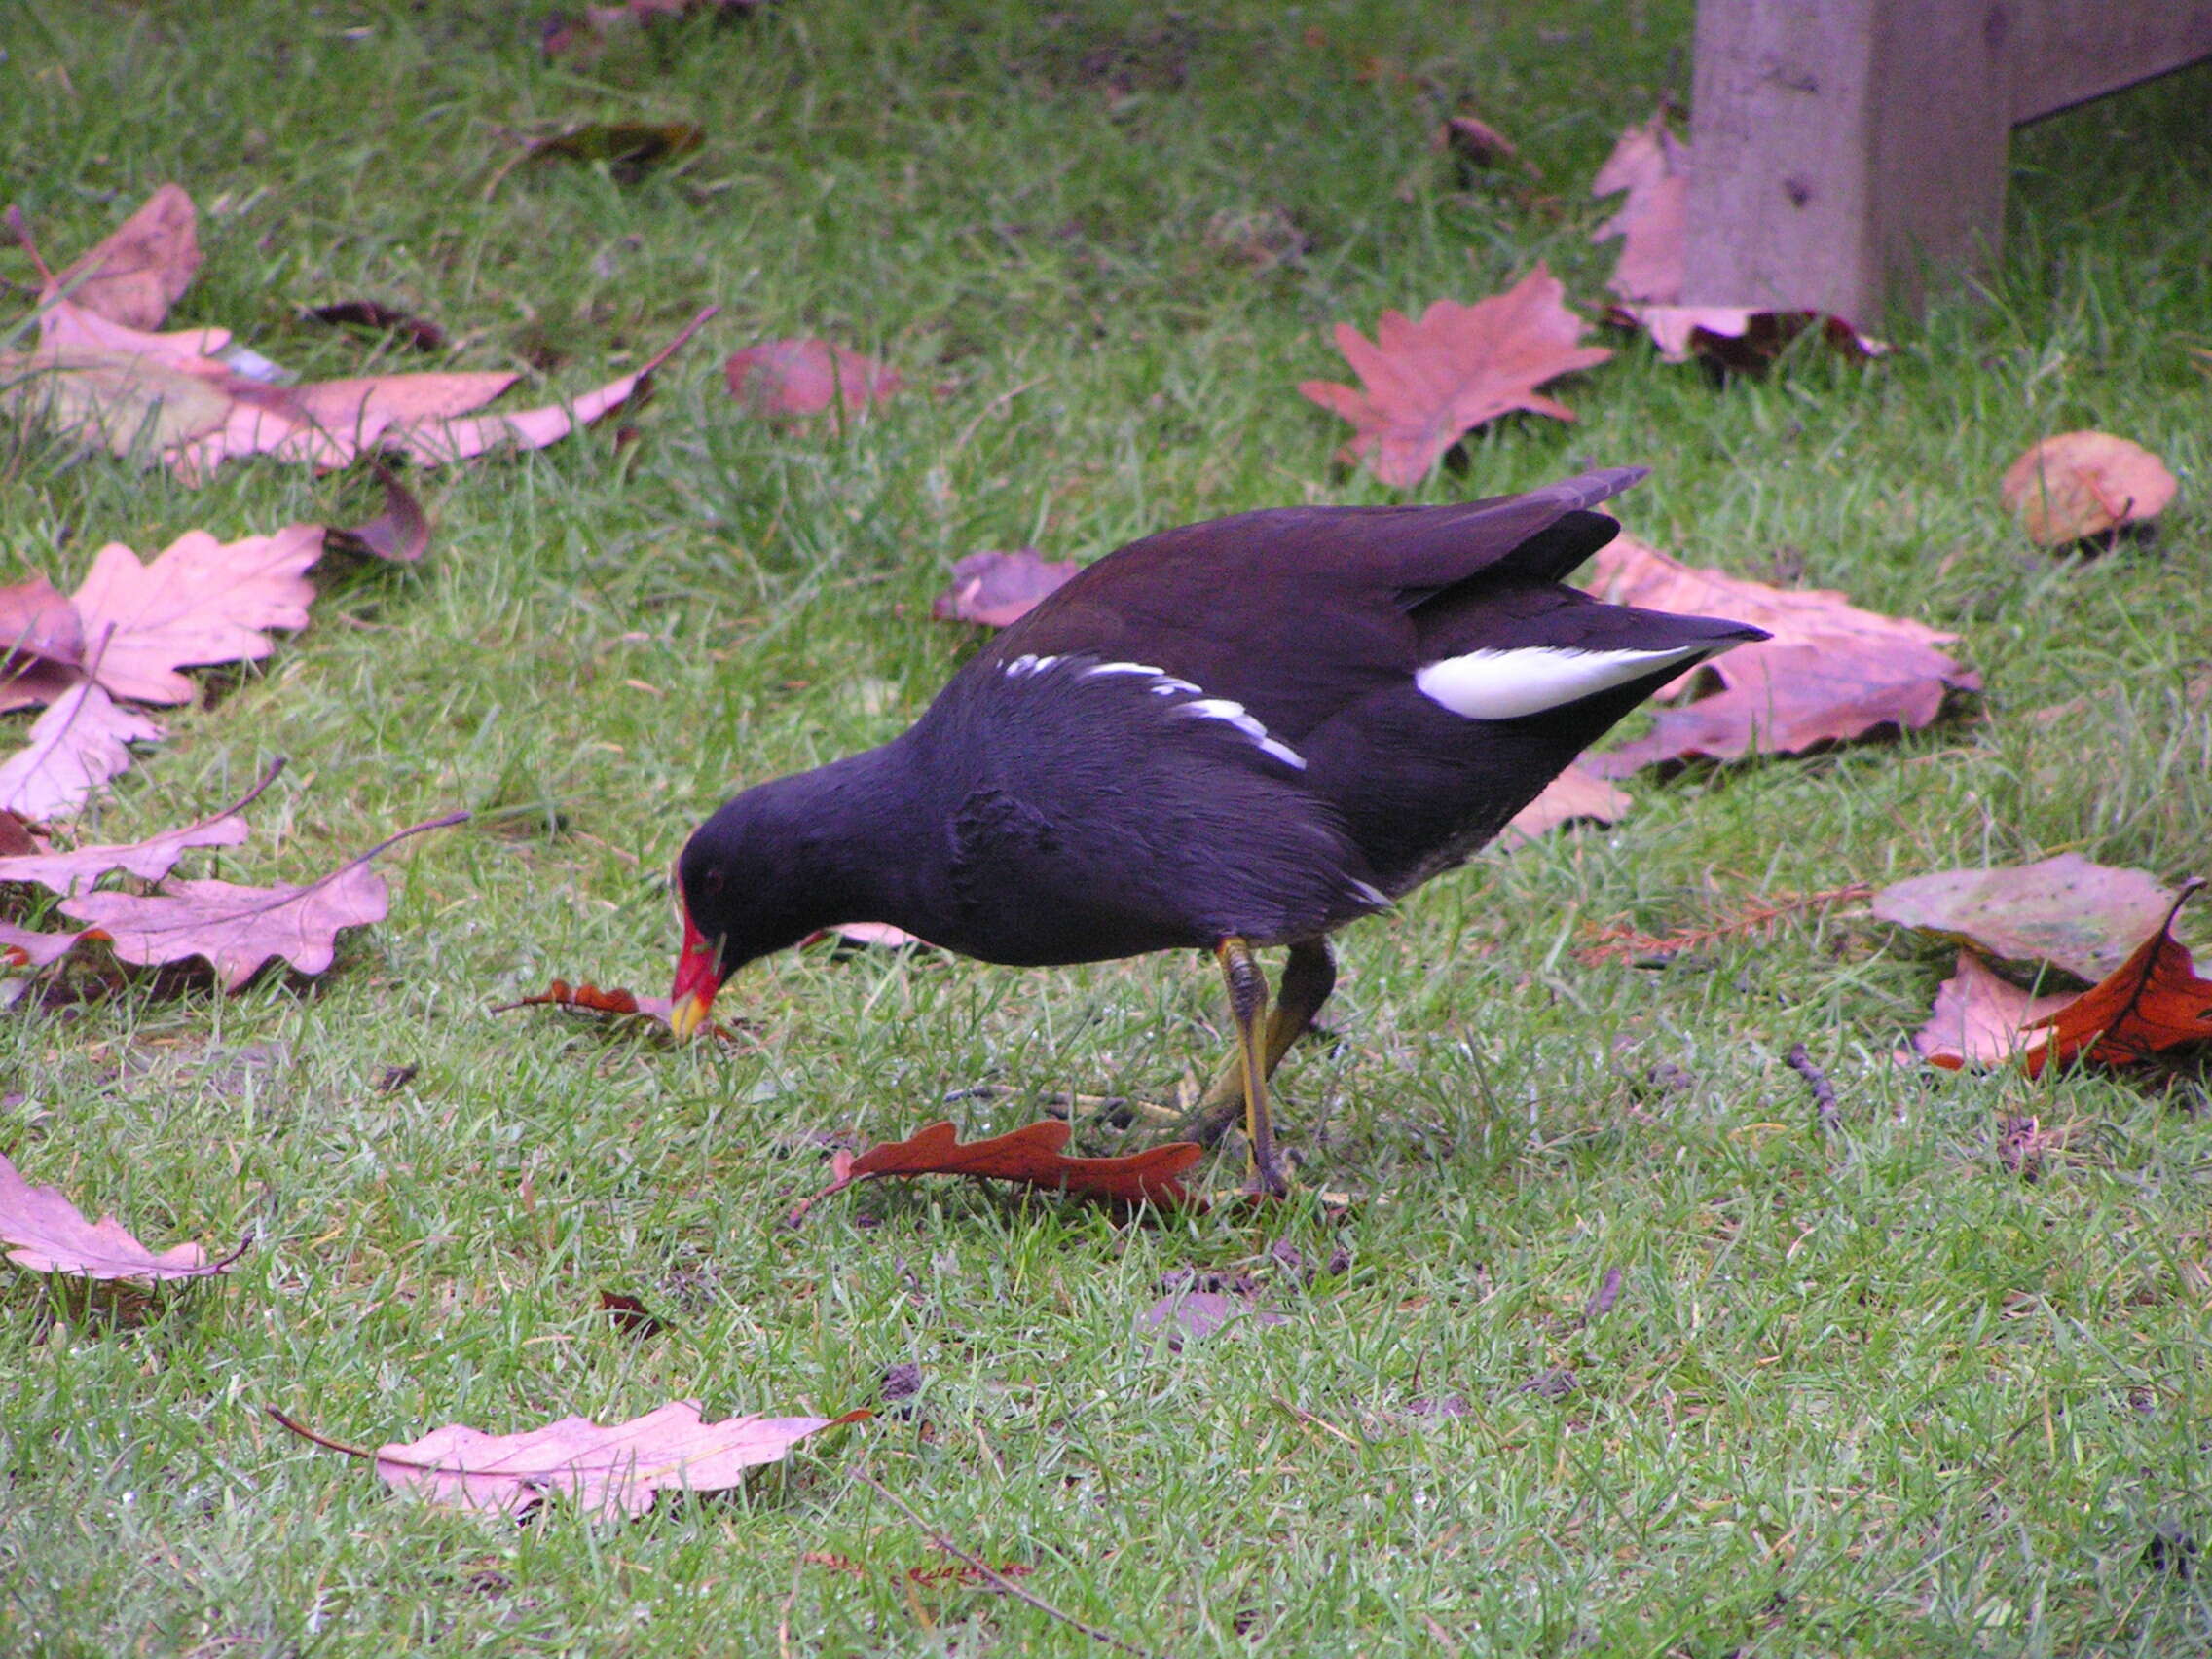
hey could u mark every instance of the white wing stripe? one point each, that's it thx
(1527, 680)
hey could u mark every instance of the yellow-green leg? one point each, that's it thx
(1262, 1041)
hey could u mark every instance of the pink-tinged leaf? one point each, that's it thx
(1983, 1020)
(2086, 918)
(401, 532)
(1425, 384)
(609, 1472)
(998, 589)
(789, 380)
(1652, 165)
(42, 644)
(435, 443)
(42, 1230)
(201, 600)
(236, 929)
(1030, 1155)
(1831, 673)
(75, 747)
(2082, 484)
(143, 265)
(21, 948)
(1575, 794)
(150, 859)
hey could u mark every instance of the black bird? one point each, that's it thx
(1235, 734)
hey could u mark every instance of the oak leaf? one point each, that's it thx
(2077, 485)
(2085, 919)
(1575, 794)
(2154, 1001)
(75, 747)
(789, 380)
(42, 644)
(588, 998)
(22, 947)
(1424, 385)
(1831, 673)
(1649, 169)
(1030, 1154)
(199, 600)
(401, 532)
(149, 860)
(998, 589)
(42, 1230)
(611, 1472)
(194, 400)
(137, 272)
(236, 929)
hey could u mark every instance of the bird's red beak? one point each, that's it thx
(698, 976)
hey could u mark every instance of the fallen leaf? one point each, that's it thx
(1831, 673)
(1187, 1315)
(21, 948)
(145, 262)
(1030, 1154)
(609, 1472)
(789, 380)
(149, 860)
(15, 838)
(42, 644)
(75, 747)
(199, 601)
(1473, 140)
(2086, 918)
(1425, 384)
(1576, 793)
(2078, 485)
(630, 1315)
(998, 589)
(588, 998)
(629, 148)
(236, 929)
(42, 1230)
(380, 318)
(2154, 1001)
(1651, 165)
(401, 532)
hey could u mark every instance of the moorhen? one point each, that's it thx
(1235, 734)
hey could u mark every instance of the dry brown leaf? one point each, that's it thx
(1030, 1154)
(75, 747)
(2086, 918)
(42, 1230)
(1576, 793)
(236, 929)
(149, 860)
(1425, 384)
(1473, 140)
(2078, 485)
(378, 317)
(998, 589)
(2154, 1001)
(1831, 673)
(199, 601)
(588, 998)
(1652, 167)
(609, 1472)
(136, 274)
(401, 532)
(789, 380)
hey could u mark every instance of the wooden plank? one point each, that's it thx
(1842, 151)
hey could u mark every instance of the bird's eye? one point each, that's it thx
(711, 883)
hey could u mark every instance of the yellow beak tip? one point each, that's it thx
(686, 1015)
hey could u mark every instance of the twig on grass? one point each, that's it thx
(1824, 1091)
(997, 1579)
(1311, 1421)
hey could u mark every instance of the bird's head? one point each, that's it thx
(741, 893)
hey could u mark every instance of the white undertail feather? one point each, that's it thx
(1527, 680)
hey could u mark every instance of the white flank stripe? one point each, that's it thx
(1505, 684)
(1098, 668)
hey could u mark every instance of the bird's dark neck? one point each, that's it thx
(856, 847)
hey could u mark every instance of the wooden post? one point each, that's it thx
(1840, 150)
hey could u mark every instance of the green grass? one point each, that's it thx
(1877, 1395)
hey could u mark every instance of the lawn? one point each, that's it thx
(1874, 1392)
